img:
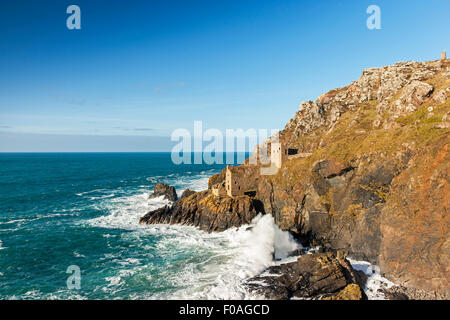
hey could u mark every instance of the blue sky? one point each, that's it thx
(137, 70)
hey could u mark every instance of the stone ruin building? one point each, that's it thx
(242, 180)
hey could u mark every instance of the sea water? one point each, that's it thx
(59, 210)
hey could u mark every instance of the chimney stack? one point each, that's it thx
(443, 55)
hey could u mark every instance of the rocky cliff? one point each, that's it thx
(373, 181)
(327, 276)
(377, 181)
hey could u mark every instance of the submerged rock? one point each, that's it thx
(168, 192)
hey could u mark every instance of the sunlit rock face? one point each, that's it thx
(377, 182)
(372, 181)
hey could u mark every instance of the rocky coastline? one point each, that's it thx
(206, 211)
(327, 276)
(372, 182)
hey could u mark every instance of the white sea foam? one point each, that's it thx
(237, 255)
(91, 191)
(76, 254)
(231, 257)
(15, 221)
(19, 223)
(374, 282)
(37, 294)
(126, 210)
(102, 197)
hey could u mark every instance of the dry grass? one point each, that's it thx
(347, 142)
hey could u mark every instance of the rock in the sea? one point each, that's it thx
(312, 276)
(209, 213)
(168, 192)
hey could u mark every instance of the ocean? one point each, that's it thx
(64, 210)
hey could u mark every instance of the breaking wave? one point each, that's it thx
(195, 264)
(121, 259)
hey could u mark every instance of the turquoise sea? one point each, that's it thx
(60, 211)
(73, 209)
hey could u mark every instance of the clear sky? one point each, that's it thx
(137, 70)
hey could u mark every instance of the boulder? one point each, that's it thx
(312, 276)
(168, 192)
(413, 95)
(440, 97)
(329, 168)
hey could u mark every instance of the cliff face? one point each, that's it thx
(377, 182)
(373, 181)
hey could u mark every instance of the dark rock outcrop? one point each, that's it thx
(168, 192)
(312, 276)
(186, 193)
(206, 211)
